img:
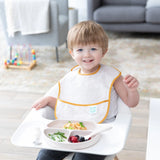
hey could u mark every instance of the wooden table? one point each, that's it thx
(153, 142)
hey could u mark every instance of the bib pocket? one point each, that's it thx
(87, 112)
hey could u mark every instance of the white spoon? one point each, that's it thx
(97, 131)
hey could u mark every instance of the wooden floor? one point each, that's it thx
(15, 106)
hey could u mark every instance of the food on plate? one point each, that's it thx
(77, 138)
(58, 136)
(75, 126)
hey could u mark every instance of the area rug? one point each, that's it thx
(136, 54)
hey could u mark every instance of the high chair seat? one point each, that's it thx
(110, 143)
(121, 126)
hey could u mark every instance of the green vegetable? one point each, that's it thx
(59, 136)
(81, 123)
(70, 127)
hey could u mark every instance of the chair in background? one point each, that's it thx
(125, 15)
(58, 28)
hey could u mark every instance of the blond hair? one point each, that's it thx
(87, 32)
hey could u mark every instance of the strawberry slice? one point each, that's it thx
(73, 139)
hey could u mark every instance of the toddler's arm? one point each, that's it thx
(45, 101)
(127, 90)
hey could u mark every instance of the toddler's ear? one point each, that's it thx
(105, 52)
(71, 53)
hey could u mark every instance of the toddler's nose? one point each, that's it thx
(87, 53)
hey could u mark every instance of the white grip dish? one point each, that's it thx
(57, 125)
(67, 143)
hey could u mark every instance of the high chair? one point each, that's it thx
(118, 133)
(110, 143)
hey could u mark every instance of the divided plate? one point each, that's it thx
(67, 143)
(57, 125)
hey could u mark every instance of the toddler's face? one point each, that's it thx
(88, 57)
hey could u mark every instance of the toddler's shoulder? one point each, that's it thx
(71, 74)
(111, 70)
(75, 68)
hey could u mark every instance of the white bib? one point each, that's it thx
(86, 96)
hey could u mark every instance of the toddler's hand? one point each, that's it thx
(40, 103)
(130, 82)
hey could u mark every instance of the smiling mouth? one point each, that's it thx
(88, 61)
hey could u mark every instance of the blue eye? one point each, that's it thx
(80, 50)
(93, 49)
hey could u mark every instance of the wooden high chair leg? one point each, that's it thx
(115, 158)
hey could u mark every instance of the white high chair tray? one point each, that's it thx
(110, 142)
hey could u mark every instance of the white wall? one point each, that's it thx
(81, 5)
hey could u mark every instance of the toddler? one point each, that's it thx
(90, 90)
